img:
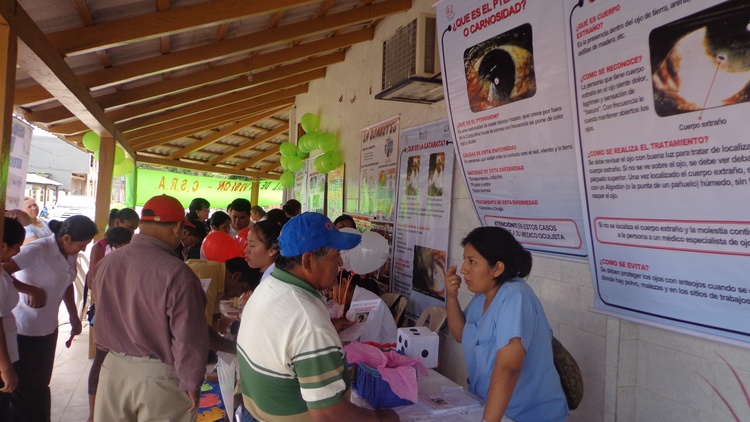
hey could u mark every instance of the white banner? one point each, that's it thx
(378, 161)
(662, 97)
(423, 215)
(510, 110)
(20, 146)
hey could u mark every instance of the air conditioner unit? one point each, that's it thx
(410, 63)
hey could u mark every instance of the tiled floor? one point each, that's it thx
(70, 400)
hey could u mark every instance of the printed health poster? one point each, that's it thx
(20, 147)
(662, 92)
(508, 98)
(378, 160)
(423, 215)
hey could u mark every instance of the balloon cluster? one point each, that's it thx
(92, 141)
(292, 156)
(369, 255)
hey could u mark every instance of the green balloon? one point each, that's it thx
(318, 165)
(284, 162)
(328, 142)
(96, 155)
(295, 164)
(287, 179)
(125, 167)
(301, 154)
(119, 155)
(288, 149)
(91, 141)
(310, 122)
(308, 141)
(331, 160)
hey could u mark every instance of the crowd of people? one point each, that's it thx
(156, 310)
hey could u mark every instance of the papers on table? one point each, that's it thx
(448, 401)
(360, 310)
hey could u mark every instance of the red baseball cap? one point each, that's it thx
(163, 209)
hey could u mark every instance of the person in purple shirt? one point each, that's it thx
(150, 318)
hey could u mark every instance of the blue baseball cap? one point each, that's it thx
(310, 231)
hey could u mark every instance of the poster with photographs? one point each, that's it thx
(423, 215)
(662, 91)
(378, 160)
(505, 80)
(316, 191)
(335, 193)
(20, 146)
(300, 185)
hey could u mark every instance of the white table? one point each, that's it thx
(435, 383)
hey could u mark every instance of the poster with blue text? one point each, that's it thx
(663, 93)
(505, 80)
(423, 215)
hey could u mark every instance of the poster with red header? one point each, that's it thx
(505, 80)
(661, 92)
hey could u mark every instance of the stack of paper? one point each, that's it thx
(448, 401)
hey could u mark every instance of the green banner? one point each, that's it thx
(218, 191)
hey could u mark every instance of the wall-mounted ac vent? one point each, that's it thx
(411, 51)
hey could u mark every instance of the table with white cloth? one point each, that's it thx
(433, 384)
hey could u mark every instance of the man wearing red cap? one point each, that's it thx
(150, 317)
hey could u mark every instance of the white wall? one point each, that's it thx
(632, 372)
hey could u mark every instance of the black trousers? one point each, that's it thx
(31, 401)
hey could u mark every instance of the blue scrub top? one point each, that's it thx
(514, 312)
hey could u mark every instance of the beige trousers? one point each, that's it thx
(139, 389)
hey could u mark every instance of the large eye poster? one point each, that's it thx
(662, 94)
(506, 87)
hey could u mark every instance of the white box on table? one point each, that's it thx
(420, 343)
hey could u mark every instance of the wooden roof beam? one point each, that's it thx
(213, 118)
(183, 96)
(231, 47)
(45, 65)
(144, 27)
(202, 167)
(258, 158)
(247, 145)
(216, 137)
(222, 101)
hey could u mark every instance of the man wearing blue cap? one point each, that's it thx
(291, 359)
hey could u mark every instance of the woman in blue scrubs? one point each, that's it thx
(504, 333)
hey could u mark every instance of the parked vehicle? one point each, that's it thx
(69, 205)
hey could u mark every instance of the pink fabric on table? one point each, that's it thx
(395, 369)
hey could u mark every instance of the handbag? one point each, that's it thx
(570, 374)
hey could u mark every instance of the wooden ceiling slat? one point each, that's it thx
(222, 101)
(202, 126)
(258, 158)
(270, 167)
(45, 65)
(234, 46)
(247, 145)
(201, 167)
(138, 28)
(219, 112)
(52, 115)
(222, 134)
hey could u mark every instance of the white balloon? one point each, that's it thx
(371, 253)
(345, 254)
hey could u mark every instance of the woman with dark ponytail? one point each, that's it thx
(505, 336)
(49, 265)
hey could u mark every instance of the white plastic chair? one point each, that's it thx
(82, 268)
(398, 310)
(433, 318)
